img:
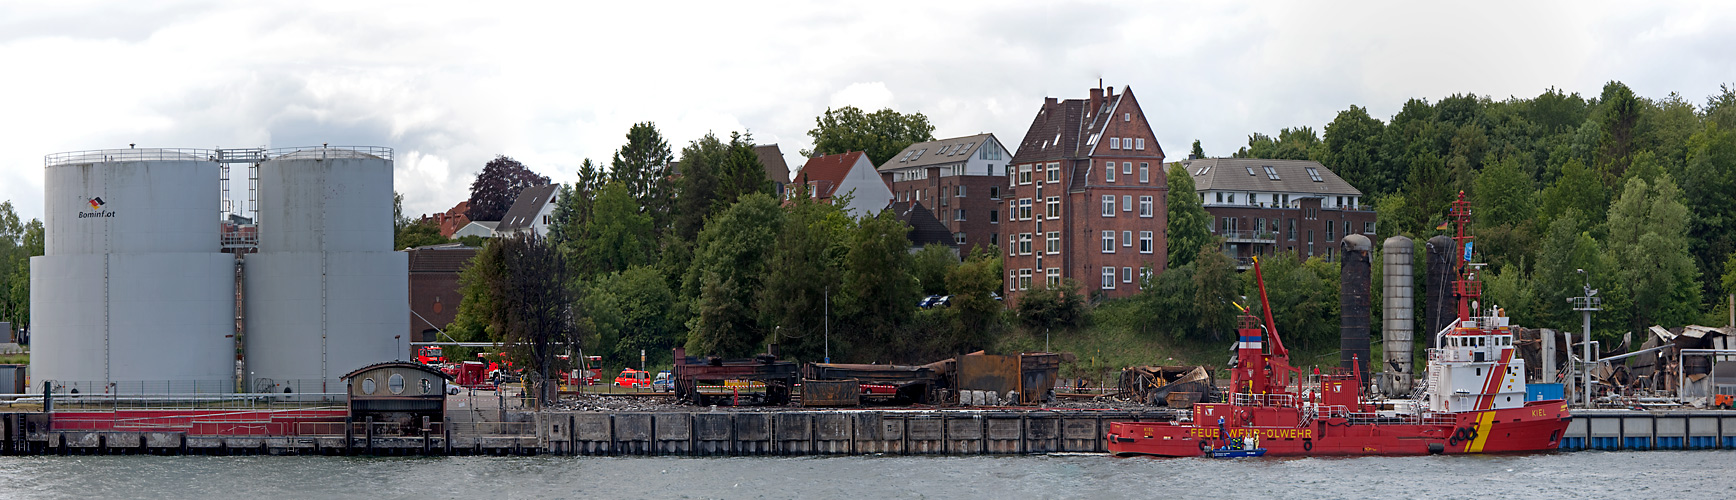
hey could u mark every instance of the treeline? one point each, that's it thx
(19, 241)
(653, 253)
(1639, 193)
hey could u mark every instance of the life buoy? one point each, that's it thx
(1307, 445)
(1204, 447)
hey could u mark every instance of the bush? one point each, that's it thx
(1051, 307)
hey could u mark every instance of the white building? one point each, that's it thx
(849, 173)
(531, 213)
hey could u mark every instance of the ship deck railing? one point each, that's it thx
(1245, 399)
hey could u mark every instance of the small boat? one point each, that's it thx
(1229, 453)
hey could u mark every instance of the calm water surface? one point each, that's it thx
(1624, 475)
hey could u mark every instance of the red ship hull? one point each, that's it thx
(1537, 426)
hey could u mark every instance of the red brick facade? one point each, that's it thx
(1097, 163)
(434, 288)
(1307, 230)
(961, 180)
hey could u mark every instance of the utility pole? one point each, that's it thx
(827, 295)
(1585, 305)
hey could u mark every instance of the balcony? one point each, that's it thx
(1249, 236)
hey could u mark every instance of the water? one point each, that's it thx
(1624, 475)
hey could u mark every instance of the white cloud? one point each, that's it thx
(450, 85)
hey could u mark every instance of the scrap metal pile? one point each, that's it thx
(1172, 386)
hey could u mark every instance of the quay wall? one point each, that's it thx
(838, 432)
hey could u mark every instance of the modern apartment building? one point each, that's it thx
(960, 180)
(1261, 207)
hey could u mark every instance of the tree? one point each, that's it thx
(930, 267)
(517, 290)
(805, 266)
(1353, 151)
(1189, 224)
(1721, 108)
(1619, 115)
(1197, 152)
(1504, 201)
(1577, 189)
(618, 235)
(1167, 302)
(419, 233)
(974, 285)
(1709, 189)
(1304, 298)
(642, 166)
(1058, 306)
(1216, 290)
(879, 294)
(633, 310)
(714, 174)
(728, 271)
(1291, 144)
(399, 220)
(497, 186)
(880, 134)
(19, 241)
(1648, 242)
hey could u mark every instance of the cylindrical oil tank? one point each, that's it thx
(1353, 303)
(325, 294)
(1397, 312)
(1441, 307)
(132, 294)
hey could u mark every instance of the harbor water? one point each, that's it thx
(1589, 474)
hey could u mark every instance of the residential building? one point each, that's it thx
(849, 173)
(924, 228)
(1086, 198)
(531, 213)
(434, 288)
(959, 180)
(777, 170)
(1261, 207)
(452, 220)
(483, 228)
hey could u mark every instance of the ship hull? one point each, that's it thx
(1534, 427)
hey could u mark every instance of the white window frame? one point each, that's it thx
(1109, 241)
(1145, 242)
(1052, 242)
(1127, 203)
(1126, 168)
(1025, 279)
(1108, 205)
(1024, 243)
(1024, 175)
(1109, 171)
(1108, 277)
(1012, 245)
(1145, 206)
(1053, 206)
(1054, 278)
(1126, 275)
(1144, 172)
(1139, 144)
(1114, 143)
(1127, 238)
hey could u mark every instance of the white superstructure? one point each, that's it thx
(1473, 367)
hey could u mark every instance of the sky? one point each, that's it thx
(449, 85)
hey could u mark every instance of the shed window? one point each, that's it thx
(395, 383)
(368, 385)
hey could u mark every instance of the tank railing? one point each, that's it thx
(381, 152)
(130, 154)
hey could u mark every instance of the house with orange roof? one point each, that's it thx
(850, 173)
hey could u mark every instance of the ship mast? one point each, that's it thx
(1466, 286)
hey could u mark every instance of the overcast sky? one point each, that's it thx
(451, 84)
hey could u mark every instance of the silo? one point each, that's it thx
(132, 288)
(1441, 307)
(326, 294)
(1397, 313)
(1353, 303)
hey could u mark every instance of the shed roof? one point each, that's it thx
(397, 364)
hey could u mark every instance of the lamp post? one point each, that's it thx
(827, 319)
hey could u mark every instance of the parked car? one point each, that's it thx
(664, 382)
(634, 378)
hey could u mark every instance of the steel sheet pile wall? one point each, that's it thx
(132, 287)
(1353, 304)
(1397, 313)
(326, 292)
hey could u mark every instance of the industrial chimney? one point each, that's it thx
(1398, 314)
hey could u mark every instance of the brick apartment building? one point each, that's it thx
(434, 289)
(959, 180)
(1086, 199)
(1261, 207)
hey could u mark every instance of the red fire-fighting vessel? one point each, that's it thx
(1474, 401)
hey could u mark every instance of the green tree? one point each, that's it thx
(1576, 189)
(635, 311)
(1721, 107)
(1618, 116)
(1198, 152)
(1566, 251)
(714, 175)
(1291, 144)
(1353, 151)
(1167, 302)
(619, 235)
(19, 241)
(728, 271)
(1216, 290)
(516, 293)
(879, 294)
(975, 285)
(1709, 189)
(1189, 224)
(803, 272)
(1648, 242)
(880, 134)
(1048, 307)
(1504, 202)
(1304, 297)
(642, 166)
(1556, 112)
(419, 233)
(930, 267)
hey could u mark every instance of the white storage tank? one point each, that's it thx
(326, 293)
(132, 293)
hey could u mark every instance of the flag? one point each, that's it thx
(1442, 227)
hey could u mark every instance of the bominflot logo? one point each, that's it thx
(96, 205)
